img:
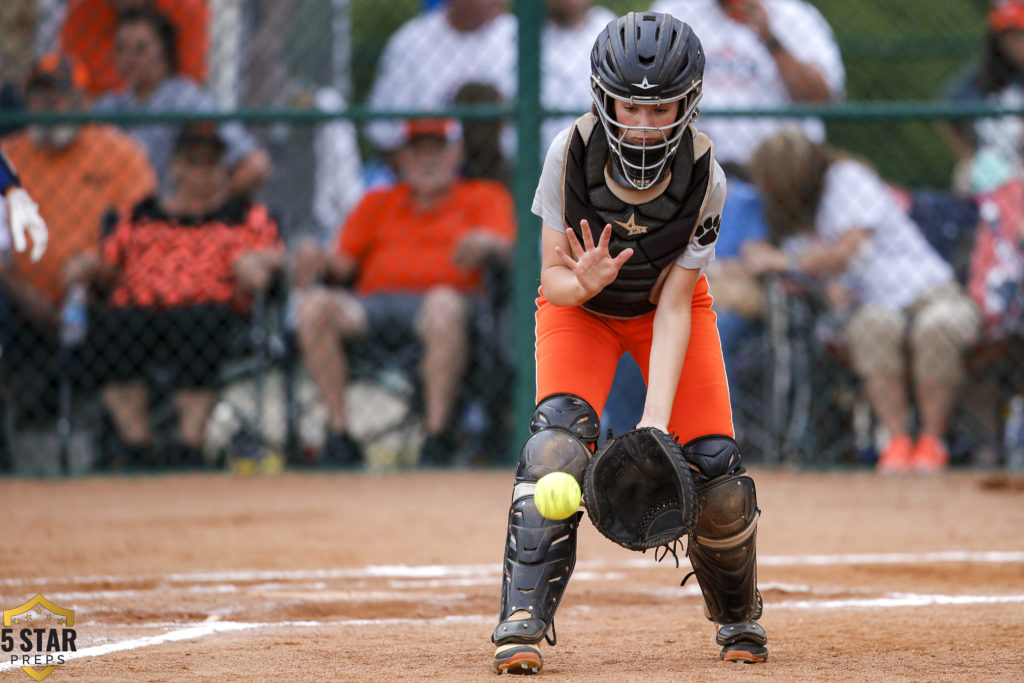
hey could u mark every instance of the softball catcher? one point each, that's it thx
(631, 200)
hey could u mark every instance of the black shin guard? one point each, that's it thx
(540, 553)
(539, 558)
(722, 547)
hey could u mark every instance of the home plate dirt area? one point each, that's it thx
(396, 576)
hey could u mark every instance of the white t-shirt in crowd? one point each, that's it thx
(426, 61)
(898, 265)
(565, 69)
(741, 73)
(547, 201)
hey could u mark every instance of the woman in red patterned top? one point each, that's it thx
(180, 270)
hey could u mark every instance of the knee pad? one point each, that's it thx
(564, 429)
(722, 546)
(711, 457)
(568, 412)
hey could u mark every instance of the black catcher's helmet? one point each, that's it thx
(645, 58)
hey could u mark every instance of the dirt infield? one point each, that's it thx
(396, 577)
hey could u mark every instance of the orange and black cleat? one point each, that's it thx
(517, 658)
(745, 641)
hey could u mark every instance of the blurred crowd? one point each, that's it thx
(355, 279)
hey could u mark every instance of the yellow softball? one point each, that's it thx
(558, 495)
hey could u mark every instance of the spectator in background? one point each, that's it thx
(989, 149)
(90, 30)
(148, 59)
(318, 168)
(433, 61)
(760, 54)
(181, 267)
(318, 176)
(76, 174)
(837, 218)
(17, 26)
(431, 56)
(566, 41)
(414, 252)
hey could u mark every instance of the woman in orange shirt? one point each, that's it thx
(631, 199)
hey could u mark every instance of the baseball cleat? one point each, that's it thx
(748, 653)
(743, 641)
(517, 658)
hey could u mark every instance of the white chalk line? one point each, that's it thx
(470, 572)
(208, 628)
(437, 576)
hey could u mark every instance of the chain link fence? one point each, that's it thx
(297, 233)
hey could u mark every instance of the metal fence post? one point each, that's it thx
(530, 14)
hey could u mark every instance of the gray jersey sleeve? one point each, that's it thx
(700, 252)
(547, 201)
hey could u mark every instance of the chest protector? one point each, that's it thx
(656, 223)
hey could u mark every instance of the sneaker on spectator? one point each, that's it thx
(930, 455)
(341, 450)
(896, 458)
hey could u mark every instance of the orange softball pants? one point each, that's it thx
(577, 353)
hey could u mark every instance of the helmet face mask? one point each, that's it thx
(645, 59)
(642, 165)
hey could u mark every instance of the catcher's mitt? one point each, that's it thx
(638, 490)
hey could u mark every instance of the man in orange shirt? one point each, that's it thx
(77, 174)
(414, 253)
(90, 29)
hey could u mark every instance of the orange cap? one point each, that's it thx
(1006, 14)
(449, 129)
(57, 71)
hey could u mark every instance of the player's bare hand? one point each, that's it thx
(594, 266)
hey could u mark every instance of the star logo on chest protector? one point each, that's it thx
(632, 227)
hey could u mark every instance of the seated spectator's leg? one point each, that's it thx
(196, 342)
(28, 363)
(875, 337)
(121, 341)
(325, 318)
(128, 403)
(194, 407)
(943, 329)
(442, 323)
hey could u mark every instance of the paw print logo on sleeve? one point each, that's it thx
(707, 232)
